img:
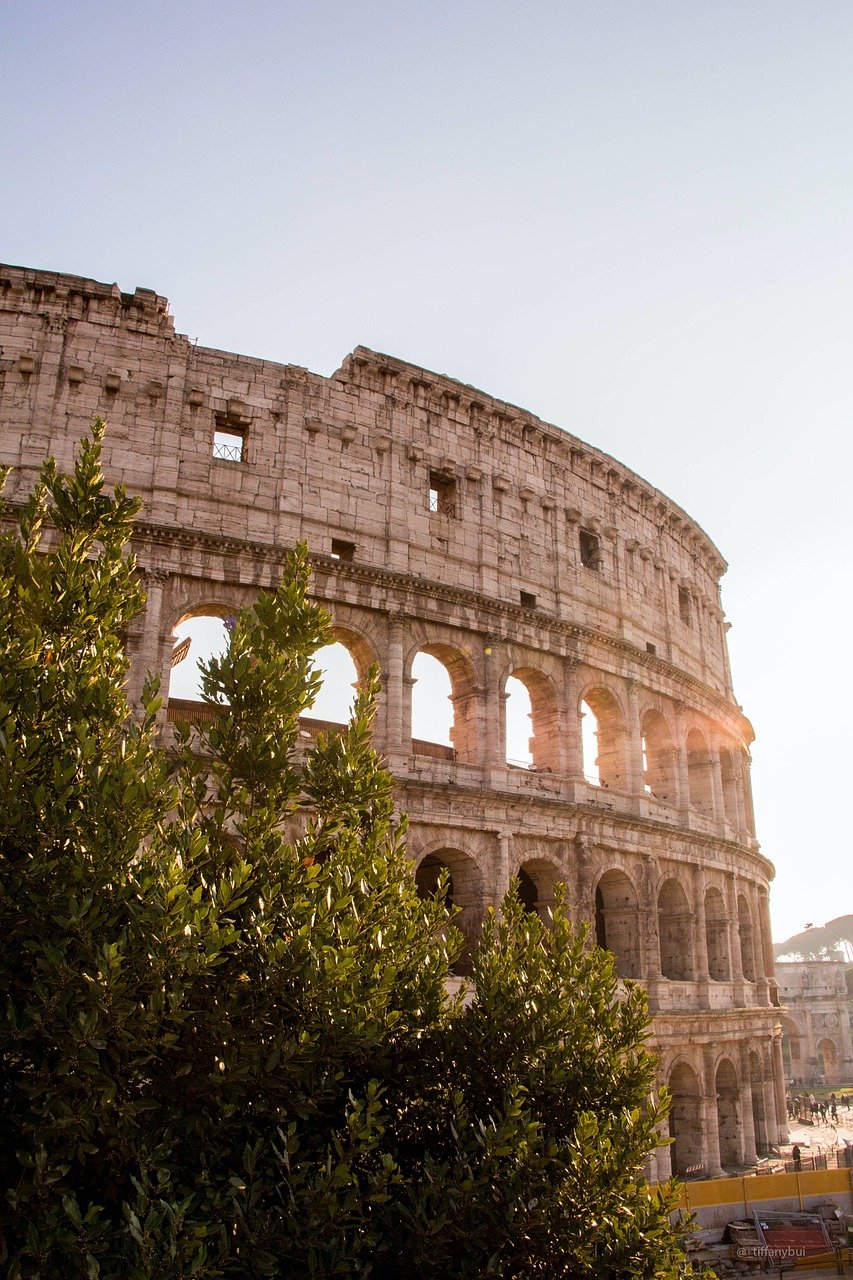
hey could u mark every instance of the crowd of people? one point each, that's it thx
(803, 1106)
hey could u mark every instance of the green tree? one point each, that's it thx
(226, 1045)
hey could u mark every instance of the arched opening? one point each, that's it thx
(699, 773)
(333, 703)
(717, 936)
(463, 890)
(659, 765)
(617, 925)
(603, 740)
(747, 940)
(729, 778)
(827, 1053)
(444, 705)
(532, 721)
(537, 880)
(198, 637)
(518, 711)
(685, 1120)
(675, 929)
(527, 892)
(759, 1120)
(728, 1120)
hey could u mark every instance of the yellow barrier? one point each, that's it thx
(771, 1186)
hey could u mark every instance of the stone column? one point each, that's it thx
(779, 1086)
(716, 770)
(573, 747)
(708, 1111)
(394, 690)
(634, 741)
(154, 654)
(738, 990)
(768, 1093)
(651, 938)
(663, 1155)
(700, 940)
(493, 701)
(750, 1153)
(680, 760)
(758, 948)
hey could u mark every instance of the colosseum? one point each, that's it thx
(532, 569)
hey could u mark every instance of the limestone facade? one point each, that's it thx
(442, 520)
(817, 1045)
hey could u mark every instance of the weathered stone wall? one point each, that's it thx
(817, 1042)
(467, 528)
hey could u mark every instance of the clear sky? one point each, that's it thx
(633, 219)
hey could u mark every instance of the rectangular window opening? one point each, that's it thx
(684, 605)
(342, 550)
(442, 494)
(229, 444)
(590, 550)
(651, 648)
(528, 599)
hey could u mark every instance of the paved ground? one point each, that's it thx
(814, 1139)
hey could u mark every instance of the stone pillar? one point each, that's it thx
(634, 742)
(504, 857)
(394, 738)
(779, 1086)
(716, 770)
(700, 940)
(493, 702)
(758, 948)
(749, 1136)
(680, 754)
(651, 939)
(573, 747)
(408, 683)
(708, 1111)
(663, 1155)
(738, 990)
(153, 656)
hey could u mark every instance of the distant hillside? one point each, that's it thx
(832, 941)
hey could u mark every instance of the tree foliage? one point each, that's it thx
(227, 1047)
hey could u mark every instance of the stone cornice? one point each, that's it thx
(734, 853)
(413, 585)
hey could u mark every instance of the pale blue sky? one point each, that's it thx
(632, 218)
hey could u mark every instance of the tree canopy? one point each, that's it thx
(227, 1044)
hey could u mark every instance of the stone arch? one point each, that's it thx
(700, 783)
(544, 741)
(198, 633)
(463, 890)
(759, 1118)
(675, 930)
(827, 1052)
(746, 935)
(728, 1113)
(603, 738)
(463, 696)
(685, 1118)
(617, 921)
(344, 664)
(717, 936)
(660, 765)
(537, 879)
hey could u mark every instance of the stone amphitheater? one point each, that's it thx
(443, 522)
